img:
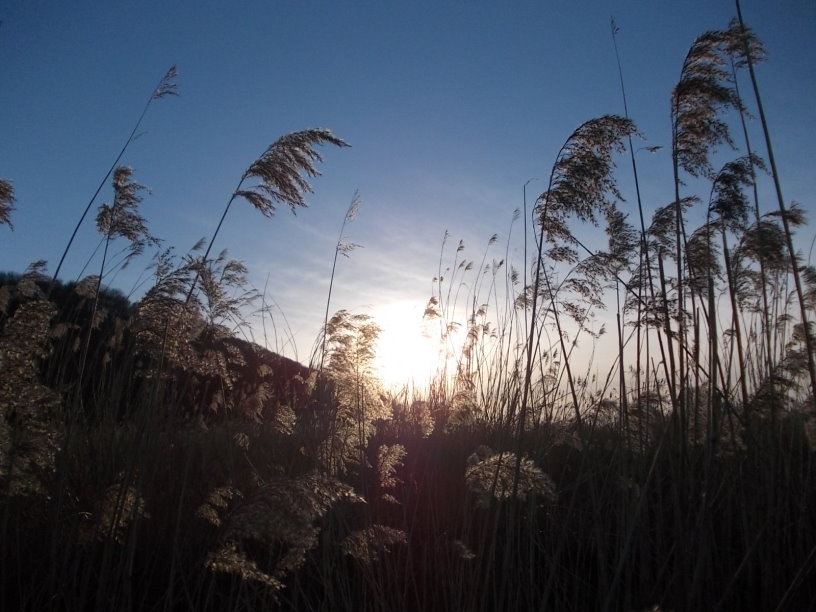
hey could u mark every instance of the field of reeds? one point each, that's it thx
(153, 459)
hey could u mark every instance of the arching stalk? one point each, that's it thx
(279, 174)
(165, 87)
(342, 248)
(809, 347)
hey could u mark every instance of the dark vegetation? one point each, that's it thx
(151, 459)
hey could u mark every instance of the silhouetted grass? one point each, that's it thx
(152, 460)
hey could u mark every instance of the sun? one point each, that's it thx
(407, 354)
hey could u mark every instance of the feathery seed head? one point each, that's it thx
(581, 182)
(493, 477)
(166, 86)
(367, 545)
(7, 200)
(280, 170)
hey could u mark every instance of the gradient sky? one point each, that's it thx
(450, 108)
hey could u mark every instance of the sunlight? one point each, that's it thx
(407, 353)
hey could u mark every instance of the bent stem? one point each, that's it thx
(165, 87)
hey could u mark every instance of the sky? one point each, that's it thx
(450, 108)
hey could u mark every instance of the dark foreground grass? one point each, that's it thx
(143, 518)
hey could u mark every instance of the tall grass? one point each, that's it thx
(165, 87)
(150, 458)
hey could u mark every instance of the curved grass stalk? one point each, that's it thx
(579, 184)
(165, 87)
(808, 336)
(279, 173)
(342, 248)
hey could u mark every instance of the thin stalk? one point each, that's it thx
(644, 245)
(164, 87)
(279, 172)
(763, 275)
(567, 367)
(86, 345)
(212, 240)
(713, 357)
(784, 213)
(351, 213)
(621, 372)
(732, 293)
(678, 397)
(672, 378)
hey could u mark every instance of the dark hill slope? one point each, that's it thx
(102, 361)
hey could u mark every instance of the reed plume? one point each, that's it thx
(370, 544)
(29, 437)
(279, 514)
(165, 87)
(277, 177)
(750, 51)
(581, 185)
(7, 201)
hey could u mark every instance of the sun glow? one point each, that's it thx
(408, 350)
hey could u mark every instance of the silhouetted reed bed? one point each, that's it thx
(152, 459)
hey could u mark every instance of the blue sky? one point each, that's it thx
(450, 107)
